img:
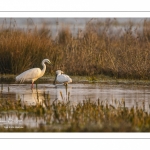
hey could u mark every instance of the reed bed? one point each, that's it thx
(86, 116)
(101, 48)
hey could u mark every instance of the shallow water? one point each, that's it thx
(133, 96)
(79, 92)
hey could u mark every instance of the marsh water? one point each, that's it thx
(133, 95)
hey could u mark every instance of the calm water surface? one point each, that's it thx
(132, 95)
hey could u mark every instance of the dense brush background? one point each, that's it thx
(98, 49)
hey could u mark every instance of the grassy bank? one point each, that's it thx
(98, 49)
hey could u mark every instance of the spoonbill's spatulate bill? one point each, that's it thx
(33, 74)
(62, 78)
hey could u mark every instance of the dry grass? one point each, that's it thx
(88, 116)
(95, 50)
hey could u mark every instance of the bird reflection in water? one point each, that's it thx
(40, 95)
(63, 93)
(31, 98)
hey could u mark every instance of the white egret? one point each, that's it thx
(62, 78)
(33, 74)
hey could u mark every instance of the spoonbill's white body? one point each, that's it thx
(62, 78)
(32, 74)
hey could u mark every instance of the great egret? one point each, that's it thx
(33, 74)
(62, 78)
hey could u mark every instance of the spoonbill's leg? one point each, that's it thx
(66, 85)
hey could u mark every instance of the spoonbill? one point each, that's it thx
(62, 78)
(33, 74)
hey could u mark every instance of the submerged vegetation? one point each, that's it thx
(62, 116)
(107, 48)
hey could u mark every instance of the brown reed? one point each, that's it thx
(123, 53)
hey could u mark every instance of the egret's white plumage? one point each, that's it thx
(33, 74)
(62, 78)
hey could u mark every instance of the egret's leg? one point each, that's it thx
(32, 86)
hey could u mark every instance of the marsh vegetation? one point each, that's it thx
(82, 108)
(102, 50)
(107, 48)
(86, 116)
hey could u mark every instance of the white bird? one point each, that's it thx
(33, 74)
(62, 78)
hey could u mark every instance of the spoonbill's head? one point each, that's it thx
(58, 72)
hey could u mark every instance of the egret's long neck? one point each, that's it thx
(44, 69)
